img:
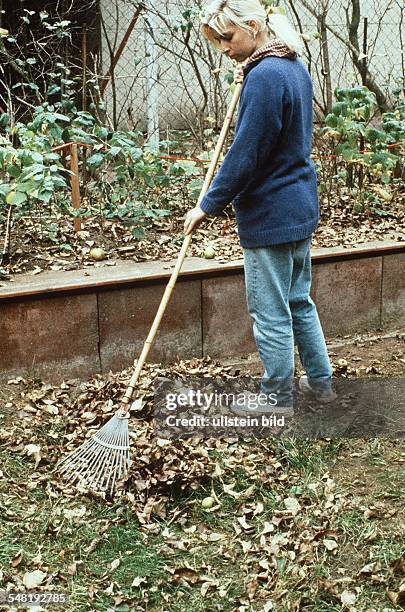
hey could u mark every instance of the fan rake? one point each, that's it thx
(104, 459)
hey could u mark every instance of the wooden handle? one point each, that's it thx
(186, 242)
(74, 182)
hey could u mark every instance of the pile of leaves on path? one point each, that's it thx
(52, 419)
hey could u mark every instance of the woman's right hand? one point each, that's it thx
(193, 219)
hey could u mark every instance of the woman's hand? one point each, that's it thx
(193, 219)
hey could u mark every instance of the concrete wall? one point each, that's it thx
(76, 324)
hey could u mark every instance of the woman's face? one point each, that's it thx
(237, 43)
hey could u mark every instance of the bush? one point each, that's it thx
(366, 151)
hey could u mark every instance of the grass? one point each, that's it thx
(299, 454)
(34, 521)
(137, 559)
(60, 543)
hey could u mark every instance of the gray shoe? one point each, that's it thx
(323, 396)
(244, 409)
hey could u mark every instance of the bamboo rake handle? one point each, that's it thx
(186, 242)
(74, 183)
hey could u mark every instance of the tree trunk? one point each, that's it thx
(325, 58)
(353, 30)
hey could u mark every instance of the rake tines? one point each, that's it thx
(103, 459)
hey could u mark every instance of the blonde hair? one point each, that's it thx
(220, 14)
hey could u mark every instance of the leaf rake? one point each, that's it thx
(104, 459)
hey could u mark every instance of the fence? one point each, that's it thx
(158, 74)
(167, 76)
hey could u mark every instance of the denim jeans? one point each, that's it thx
(278, 281)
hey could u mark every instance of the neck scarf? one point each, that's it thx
(274, 48)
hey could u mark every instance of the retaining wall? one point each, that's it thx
(62, 325)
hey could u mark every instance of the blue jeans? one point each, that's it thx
(278, 281)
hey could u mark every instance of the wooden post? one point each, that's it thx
(84, 97)
(74, 183)
(152, 85)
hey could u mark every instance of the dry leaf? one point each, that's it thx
(114, 564)
(246, 546)
(401, 595)
(330, 544)
(398, 565)
(73, 513)
(242, 522)
(348, 598)
(35, 451)
(372, 535)
(72, 568)
(267, 528)
(370, 513)
(229, 490)
(205, 586)
(370, 568)
(251, 587)
(292, 505)
(138, 581)
(258, 509)
(17, 559)
(33, 579)
(137, 404)
(215, 537)
(187, 574)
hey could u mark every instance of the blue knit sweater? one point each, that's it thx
(267, 172)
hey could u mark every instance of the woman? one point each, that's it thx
(269, 176)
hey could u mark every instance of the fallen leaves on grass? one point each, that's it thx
(217, 502)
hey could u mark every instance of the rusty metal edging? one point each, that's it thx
(191, 271)
(358, 252)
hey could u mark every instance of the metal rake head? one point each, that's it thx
(103, 459)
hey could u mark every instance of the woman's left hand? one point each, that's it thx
(193, 219)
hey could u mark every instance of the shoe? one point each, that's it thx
(276, 410)
(245, 409)
(321, 395)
